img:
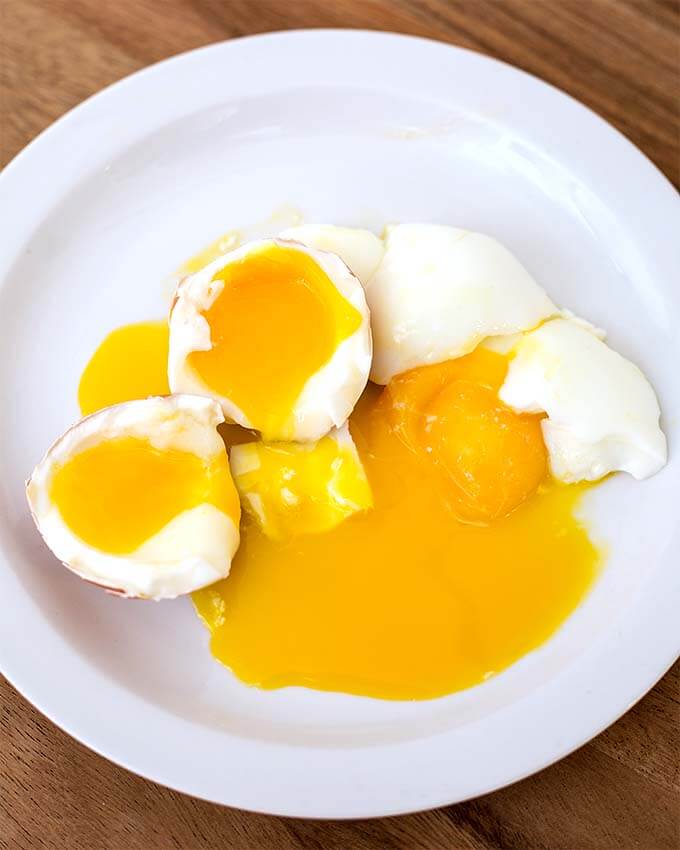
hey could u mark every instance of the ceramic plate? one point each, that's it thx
(363, 129)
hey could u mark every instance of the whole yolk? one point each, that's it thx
(293, 488)
(404, 601)
(131, 363)
(277, 320)
(491, 458)
(117, 494)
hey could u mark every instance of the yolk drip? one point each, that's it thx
(276, 322)
(404, 601)
(117, 494)
(227, 242)
(491, 458)
(131, 363)
(294, 488)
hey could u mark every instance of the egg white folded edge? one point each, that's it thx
(603, 414)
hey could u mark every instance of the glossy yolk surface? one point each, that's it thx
(131, 363)
(117, 494)
(490, 459)
(292, 488)
(276, 322)
(405, 601)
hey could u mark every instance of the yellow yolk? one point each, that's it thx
(276, 322)
(117, 494)
(404, 601)
(491, 458)
(293, 488)
(131, 363)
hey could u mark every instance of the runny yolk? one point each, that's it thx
(117, 494)
(278, 319)
(131, 363)
(405, 601)
(491, 459)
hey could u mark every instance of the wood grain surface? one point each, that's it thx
(622, 790)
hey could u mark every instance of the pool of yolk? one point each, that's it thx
(117, 494)
(403, 601)
(406, 601)
(277, 320)
(131, 363)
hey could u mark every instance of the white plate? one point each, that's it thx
(358, 128)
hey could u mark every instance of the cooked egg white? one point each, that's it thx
(138, 498)
(439, 291)
(360, 249)
(301, 488)
(278, 333)
(603, 415)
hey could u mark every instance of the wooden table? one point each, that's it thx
(622, 58)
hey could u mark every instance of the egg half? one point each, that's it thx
(301, 488)
(278, 333)
(602, 413)
(439, 291)
(138, 498)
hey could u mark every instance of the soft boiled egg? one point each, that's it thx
(439, 291)
(603, 414)
(301, 488)
(278, 333)
(138, 498)
(360, 249)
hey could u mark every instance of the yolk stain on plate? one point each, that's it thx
(131, 363)
(406, 601)
(222, 245)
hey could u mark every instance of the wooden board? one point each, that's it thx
(622, 58)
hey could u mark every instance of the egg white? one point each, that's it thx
(360, 249)
(603, 415)
(439, 291)
(193, 550)
(328, 396)
(245, 461)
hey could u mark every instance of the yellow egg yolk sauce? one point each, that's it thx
(117, 494)
(131, 363)
(276, 322)
(470, 557)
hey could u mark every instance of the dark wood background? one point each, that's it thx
(622, 790)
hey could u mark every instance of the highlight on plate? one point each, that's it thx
(362, 455)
